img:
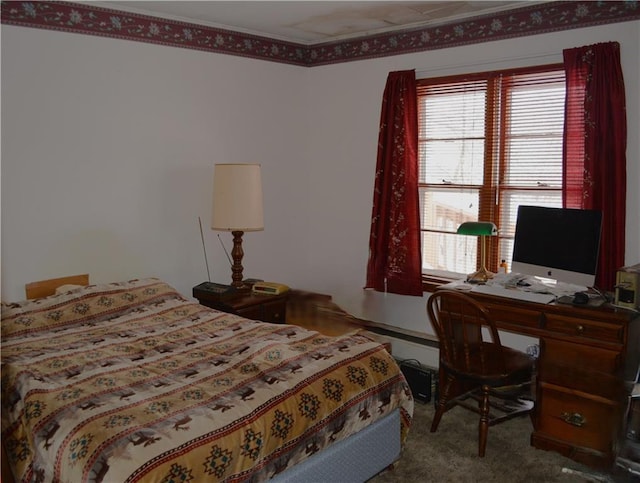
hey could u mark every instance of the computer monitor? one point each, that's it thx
(557, 243)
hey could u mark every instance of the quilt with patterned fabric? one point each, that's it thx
(130, 381)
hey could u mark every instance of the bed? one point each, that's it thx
(131, 381)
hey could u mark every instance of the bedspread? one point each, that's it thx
(132, 382)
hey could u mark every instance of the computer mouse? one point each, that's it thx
(580, 298)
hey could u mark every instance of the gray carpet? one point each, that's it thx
(451, 454)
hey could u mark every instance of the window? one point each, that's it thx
(487, 143)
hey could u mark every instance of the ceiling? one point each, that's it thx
(312, 22)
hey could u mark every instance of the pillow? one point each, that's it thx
(83, 305)
(67, 288)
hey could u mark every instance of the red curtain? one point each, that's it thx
(595, 147)
(395, 263)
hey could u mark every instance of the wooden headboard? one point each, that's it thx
(43, 288)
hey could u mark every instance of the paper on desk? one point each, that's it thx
(632, 268)
(535, 284)
(457, 285)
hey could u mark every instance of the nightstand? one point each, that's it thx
(267, 308)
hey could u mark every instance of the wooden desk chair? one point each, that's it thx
(475, 365)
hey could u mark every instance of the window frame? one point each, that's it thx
(490, 192)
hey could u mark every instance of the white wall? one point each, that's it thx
(108, 149)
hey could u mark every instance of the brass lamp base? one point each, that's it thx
(481, 276)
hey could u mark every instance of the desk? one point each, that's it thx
(586, 354)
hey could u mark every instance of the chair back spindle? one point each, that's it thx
(469, 339)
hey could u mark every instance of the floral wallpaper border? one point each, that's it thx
(93, 20)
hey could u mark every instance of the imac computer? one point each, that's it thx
(557, 243)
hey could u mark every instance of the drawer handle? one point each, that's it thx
(574, 419)
(580, 329)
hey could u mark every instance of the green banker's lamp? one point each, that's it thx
(481, 229)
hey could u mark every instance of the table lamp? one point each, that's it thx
(481, 229)
(237, 207)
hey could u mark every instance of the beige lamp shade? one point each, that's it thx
(237, 198)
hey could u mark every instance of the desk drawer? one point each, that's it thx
(517, 317)
(577, 418)
(584, 328)
(580, 357)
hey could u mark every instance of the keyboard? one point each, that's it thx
(514, 293)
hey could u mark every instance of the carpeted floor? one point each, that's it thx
(451, 454)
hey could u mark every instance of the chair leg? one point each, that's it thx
(484, 421)
(442, 404)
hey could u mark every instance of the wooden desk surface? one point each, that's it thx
(530, 315)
